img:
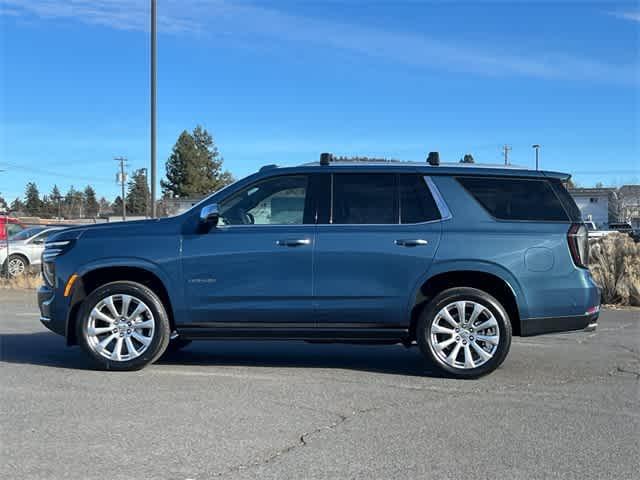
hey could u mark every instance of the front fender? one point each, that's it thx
(161, 274)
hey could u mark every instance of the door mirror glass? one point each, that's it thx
(209, 215)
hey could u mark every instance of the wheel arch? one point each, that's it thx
(491, 280)
(19, 254)
(92, 278)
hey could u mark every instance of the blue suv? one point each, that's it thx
(453, 258)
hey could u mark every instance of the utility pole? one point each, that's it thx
(153, 107)
(537, 148)
(507, 149)
(121, 177)
(146, 179)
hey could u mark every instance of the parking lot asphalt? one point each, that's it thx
(562, 406)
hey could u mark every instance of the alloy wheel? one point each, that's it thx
(464, 334)
(16, 266)
(120, 327)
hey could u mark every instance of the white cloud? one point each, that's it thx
(633, 15)
(242, 21)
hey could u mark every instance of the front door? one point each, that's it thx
(255, 267)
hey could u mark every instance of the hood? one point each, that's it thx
(134, 227)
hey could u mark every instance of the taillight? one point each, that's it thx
(578, 238)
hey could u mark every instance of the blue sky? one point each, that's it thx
(282, 81)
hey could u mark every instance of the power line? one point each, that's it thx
(55, 174)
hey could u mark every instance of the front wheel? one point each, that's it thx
(465, 332)
(123, 326)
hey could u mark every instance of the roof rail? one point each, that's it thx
(325, 158)
(271, 166)
(433, 159)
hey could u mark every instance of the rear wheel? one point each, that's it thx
(123, 326)
(465, 332)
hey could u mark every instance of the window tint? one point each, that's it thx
(516, 199)
(23, 234)
(364, 199)
(569, 204)
(275, 201)
(42, 237)
(416, 203)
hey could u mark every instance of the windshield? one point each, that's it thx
(26, 234)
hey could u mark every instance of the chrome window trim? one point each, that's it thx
(445, 213)
(443, 208)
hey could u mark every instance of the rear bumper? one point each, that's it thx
(539, 326)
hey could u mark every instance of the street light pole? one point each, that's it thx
(537, 148)
(153, 108)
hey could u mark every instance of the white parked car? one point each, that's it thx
(25, 249)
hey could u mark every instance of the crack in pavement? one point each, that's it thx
(622, 370)
(302, 439)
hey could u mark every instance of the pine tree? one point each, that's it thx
(72, 204)
(33, 204)
(17, 207)
(90, 203)
(56, 201)
(195, 166)
(116, 206)
(104, 207)
(3, 204)
(138, 194)
(46, 207)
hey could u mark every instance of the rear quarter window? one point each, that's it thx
(516, 198)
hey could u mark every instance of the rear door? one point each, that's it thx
(378, 240)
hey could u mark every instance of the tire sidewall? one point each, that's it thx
(423, 332)
(161, 330)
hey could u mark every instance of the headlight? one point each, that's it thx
(51, 251)
(49, 273)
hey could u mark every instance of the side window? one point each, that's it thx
(364, 199)
(416, 202)
(275, 201)
(516, 199)
(42, 237)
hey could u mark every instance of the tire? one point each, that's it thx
(16, 265)
(176, 345)
(438, 338)
(139, 335)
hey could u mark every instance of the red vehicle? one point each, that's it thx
(9, 226)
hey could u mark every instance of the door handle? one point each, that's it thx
(413, 242)
(293, 242)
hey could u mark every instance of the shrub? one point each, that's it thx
(28, 281)
(614, 261)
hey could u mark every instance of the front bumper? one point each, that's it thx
(50, 314)
(540, 326)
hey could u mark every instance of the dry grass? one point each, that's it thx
(614, 261)
(28, 281)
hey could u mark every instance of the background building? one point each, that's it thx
(600, 205)
(629, 204)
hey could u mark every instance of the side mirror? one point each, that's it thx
(209, 215)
